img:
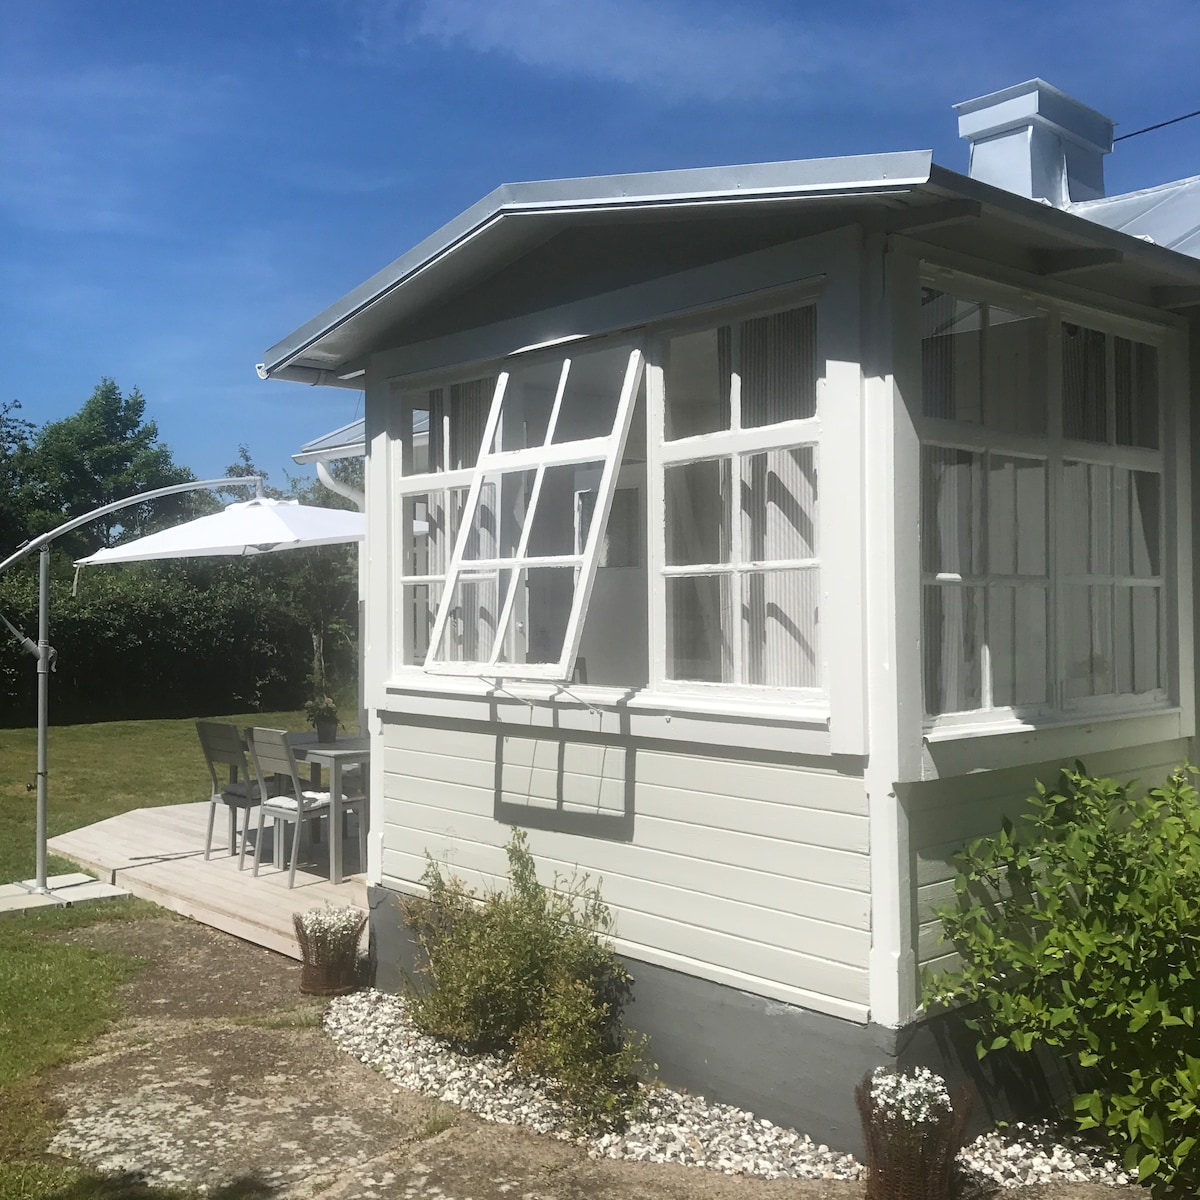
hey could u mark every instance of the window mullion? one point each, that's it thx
(735, 509)
(1056, 691)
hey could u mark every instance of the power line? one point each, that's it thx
(1160, 125)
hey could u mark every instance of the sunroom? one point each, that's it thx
(753, 537)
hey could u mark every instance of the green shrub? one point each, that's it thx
(530, 973)
(1079, 931)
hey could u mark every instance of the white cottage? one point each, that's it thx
(754, 536)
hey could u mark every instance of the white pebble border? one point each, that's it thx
(673, 1127)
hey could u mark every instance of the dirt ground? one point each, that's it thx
(220, 1077)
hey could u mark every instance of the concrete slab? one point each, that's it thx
(65, 890)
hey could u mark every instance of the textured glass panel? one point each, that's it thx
(592, 395)
(496, 526)
(1135, 367)
(696, 380)
(418, 607)
(950, 357)
(470, 631)
(778, 367)
(779, 505)
(553, 528)
(1085, 501)
(953, 648)
(698, 512)
(1014, 388)
(1084, 388)
(525, 408)
(1016, 506)
(698, 627)
(1089, 636)
(951, 511)
(1016, 623)
(780, 644)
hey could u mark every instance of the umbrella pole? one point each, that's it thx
(43, 715)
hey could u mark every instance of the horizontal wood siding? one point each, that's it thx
(947, 814)
(752, 872)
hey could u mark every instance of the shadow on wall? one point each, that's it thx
(568, 784)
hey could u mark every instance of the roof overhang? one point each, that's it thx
(350, 441)
(893, 192)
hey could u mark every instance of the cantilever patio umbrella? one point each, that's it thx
(257, 526)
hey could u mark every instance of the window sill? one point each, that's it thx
(965, 748)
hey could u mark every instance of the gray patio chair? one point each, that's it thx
(232, 782)
(272, 754)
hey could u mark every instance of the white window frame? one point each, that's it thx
(729, 444)
(1054, 449)
(608, 449)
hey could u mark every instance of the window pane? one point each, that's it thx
(1136, 508)
(696, 380)
(553, 528)
(470, 631)
(779, 505)
(496, 527)
(1089, 621)
(1138, 639)
(953, 645)
(526, 406)
(593, 392)
(698, 624)
(1136, 369)
(698, 512)
(1013, 382)
(951, 511)
(780, 646)
(1016, 622)
(470, 403)
(950, 357)
(1084, 388)
(620, 545)
(416, 450)
(1016, 505)
(418, 607)
(778, 367)
(1086, 532)
(541, 609)
(429, 527)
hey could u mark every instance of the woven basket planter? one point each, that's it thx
(907, 1162)
(329, 966)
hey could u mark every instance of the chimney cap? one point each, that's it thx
(1034, 102)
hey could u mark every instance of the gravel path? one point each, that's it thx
(675, 1127)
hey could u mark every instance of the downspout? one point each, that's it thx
(342, 489)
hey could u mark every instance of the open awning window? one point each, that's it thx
(520, 575)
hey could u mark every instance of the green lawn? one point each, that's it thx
(55, 996)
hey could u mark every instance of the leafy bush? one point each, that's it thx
(1079, 931)
(530, 973)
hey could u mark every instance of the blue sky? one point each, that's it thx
(183, 184)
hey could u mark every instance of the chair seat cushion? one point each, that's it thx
(311, 800)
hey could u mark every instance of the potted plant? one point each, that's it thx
(322, 716)
(328, 938)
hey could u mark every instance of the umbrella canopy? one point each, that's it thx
(256, 526)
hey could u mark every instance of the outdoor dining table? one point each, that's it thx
(336, 755)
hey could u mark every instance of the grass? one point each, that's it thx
(56, 996)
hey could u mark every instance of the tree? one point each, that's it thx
(15, 496)
(104, 452)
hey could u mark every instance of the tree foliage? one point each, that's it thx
(1077, 931)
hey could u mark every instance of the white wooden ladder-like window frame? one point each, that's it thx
(609, 450)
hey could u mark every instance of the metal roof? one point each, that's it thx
(1169, 214)
(901, 189)
(350, 441)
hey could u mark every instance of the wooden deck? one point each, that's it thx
(158, 854)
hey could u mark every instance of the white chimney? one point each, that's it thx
(1036, 141)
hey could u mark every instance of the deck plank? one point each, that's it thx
(158, 854)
